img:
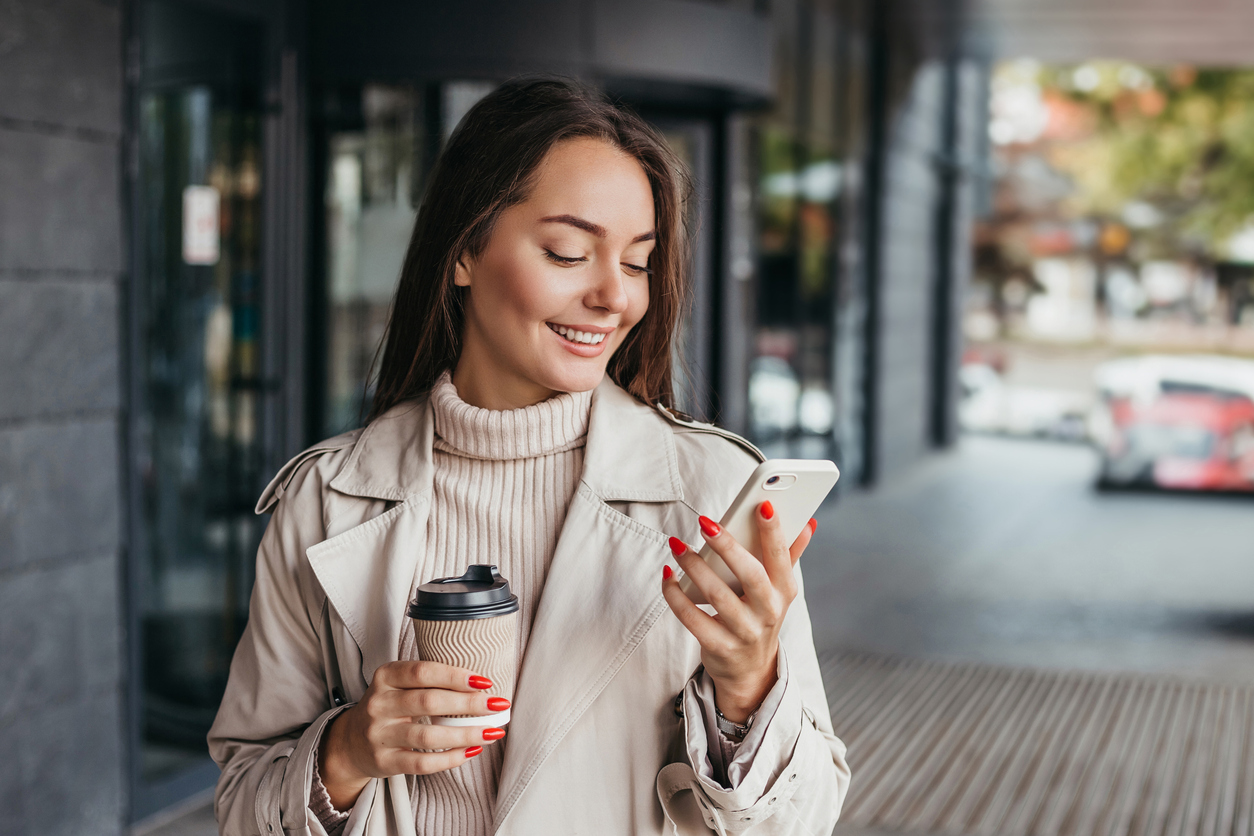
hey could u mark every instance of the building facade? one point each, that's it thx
(203, 209)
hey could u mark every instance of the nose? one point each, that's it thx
(608, 292)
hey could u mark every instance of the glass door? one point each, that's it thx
(194, 434)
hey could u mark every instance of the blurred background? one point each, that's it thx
(995, 258)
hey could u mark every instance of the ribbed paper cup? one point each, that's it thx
(486, 646)
(470, 622)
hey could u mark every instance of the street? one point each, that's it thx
(1000, 551)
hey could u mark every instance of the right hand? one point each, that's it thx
(376, 737)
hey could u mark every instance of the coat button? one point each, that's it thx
(679, 704)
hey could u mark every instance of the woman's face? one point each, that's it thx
(561, 282)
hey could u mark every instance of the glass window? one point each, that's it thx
(793, 408)
(380, 146)
(195, 413)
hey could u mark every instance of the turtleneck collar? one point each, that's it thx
(552, 426)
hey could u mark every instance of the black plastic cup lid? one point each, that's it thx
(480, 593)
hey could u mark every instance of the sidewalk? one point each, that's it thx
(1000, 551)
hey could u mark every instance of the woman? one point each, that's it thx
(515, 423)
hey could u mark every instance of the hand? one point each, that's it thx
(376, 738)
(740, 644)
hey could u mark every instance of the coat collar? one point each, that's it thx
(630, 453)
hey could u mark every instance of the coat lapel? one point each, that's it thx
(603, 591)
(368, 571)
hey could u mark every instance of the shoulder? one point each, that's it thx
(324, 460)
(711, 460)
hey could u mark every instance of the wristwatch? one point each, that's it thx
(736, 731)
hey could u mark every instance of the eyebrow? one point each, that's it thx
(596, 229)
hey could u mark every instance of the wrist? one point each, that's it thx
(736, 700)
(340, 779)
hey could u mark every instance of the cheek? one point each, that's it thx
(519, 291)
(639, 301)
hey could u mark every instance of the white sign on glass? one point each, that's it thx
(200, 225)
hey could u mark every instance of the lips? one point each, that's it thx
(585, 341)
(577, 336)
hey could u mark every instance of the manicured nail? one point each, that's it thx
(814, 525)
(493, 734)
(473, 750)
(678, 546)
(497, 703)
(666, 572)
(709, 527)
(767, 509)
(480, 682)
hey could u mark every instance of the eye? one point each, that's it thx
(638, 270)
(561, 259)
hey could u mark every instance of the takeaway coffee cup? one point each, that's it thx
(471, 622)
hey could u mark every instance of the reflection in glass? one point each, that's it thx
(791, 389)
(376, 166)
(197, 311)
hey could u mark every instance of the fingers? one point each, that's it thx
(424, 674)
(714, 588)
(438, 702)
(427, 763)
(803, 539)
(703, 626)
(775, 555)
(406, 735)
(752, 575)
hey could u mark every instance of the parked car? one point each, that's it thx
(1184, 440)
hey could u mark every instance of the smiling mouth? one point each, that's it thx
(584, 337)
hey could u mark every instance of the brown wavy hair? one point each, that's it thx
(488, 166)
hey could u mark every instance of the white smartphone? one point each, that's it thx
(796, 489)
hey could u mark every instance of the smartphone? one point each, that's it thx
(796, 489)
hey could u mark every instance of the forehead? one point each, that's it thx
(594, 180)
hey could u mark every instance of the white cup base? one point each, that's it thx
(496, 720)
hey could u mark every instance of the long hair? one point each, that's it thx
(488, 166)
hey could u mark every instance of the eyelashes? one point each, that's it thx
(568, 261)
(561, 259)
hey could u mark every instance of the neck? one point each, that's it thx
(478, 386)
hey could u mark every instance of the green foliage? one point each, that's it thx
(1180, 139)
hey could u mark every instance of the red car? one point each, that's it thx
(1182, 440)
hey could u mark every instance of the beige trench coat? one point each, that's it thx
(595, 744)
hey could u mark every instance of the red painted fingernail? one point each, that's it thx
(497, 703)
(666, 572)
(767, 509)
(480, 682)
(814, 525)
(473, 750)
(709, 527)
(493, 734)
(678, 546)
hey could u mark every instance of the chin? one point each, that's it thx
(575, 380)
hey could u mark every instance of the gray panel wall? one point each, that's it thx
(61, 749)
(908, 229)
(908, 274)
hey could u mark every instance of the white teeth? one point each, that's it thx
(578, 336)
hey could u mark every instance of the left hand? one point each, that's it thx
(740, 644)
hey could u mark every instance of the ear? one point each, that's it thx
(461, 274)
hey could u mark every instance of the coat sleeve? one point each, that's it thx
(265, 736)
(797, 778)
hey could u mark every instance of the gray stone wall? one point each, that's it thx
(61, 747)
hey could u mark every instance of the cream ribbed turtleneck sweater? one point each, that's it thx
(503, 482)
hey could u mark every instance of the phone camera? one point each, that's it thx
(772, 480)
